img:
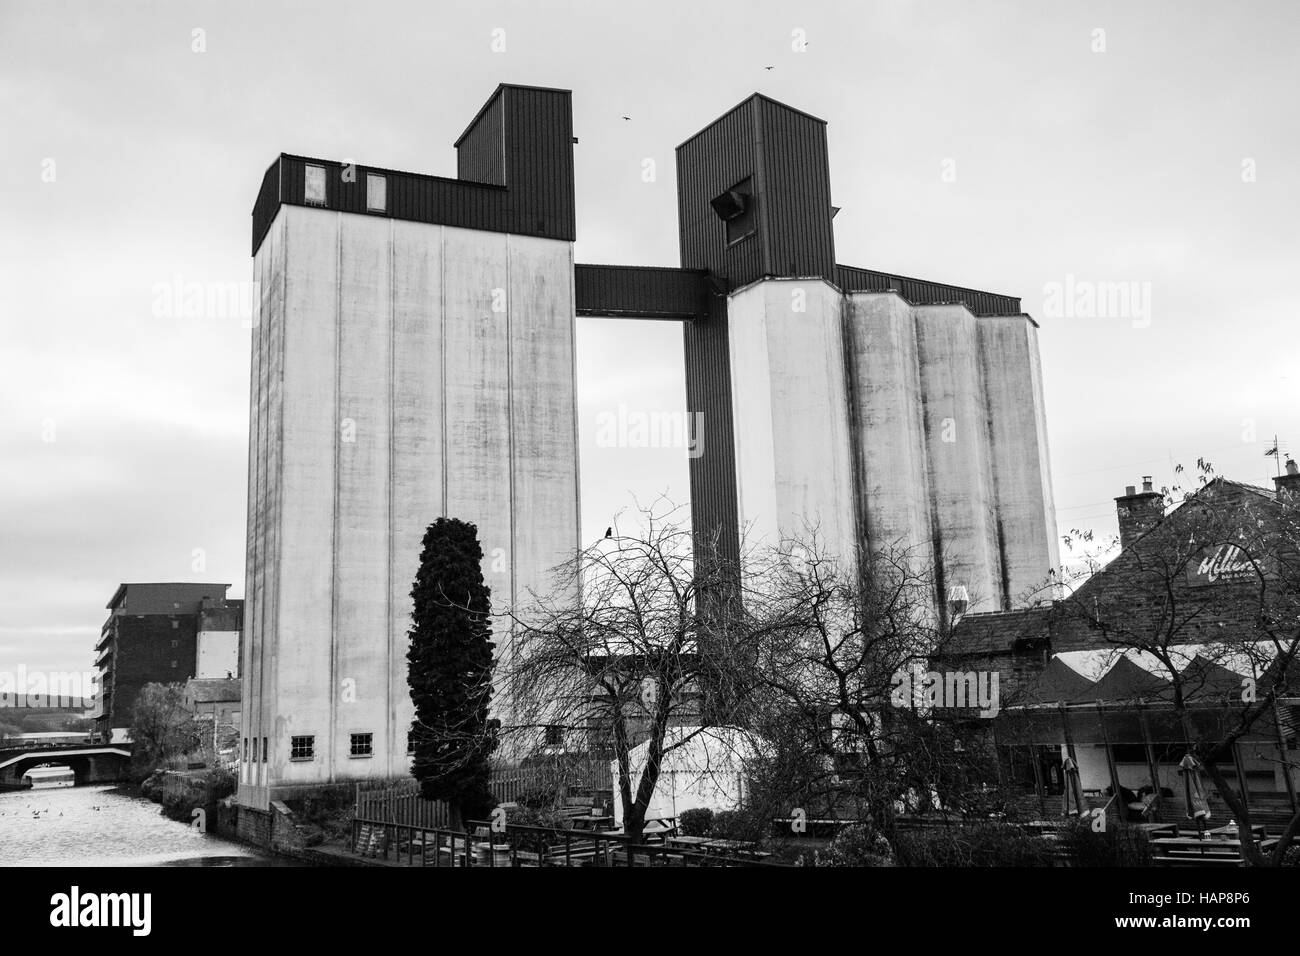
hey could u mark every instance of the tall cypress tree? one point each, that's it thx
(450, 670)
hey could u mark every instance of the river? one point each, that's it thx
(97, 826)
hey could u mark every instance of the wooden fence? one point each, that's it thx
(401, 804)
(582, 777)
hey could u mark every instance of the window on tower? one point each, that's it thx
(314, 185)
(376, 192)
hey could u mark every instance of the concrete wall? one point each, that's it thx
(791, 413)
(889, 420)
(1022, 479)
(901, 426)
(402, 371)
(957, 445)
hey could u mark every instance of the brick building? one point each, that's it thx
(161, 633)
(1156, 651)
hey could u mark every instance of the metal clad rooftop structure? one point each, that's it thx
(923, 292)
(515, 163)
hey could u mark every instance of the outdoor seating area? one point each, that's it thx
(531, 846)
(588, 843)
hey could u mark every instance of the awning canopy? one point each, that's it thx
(1117, 677)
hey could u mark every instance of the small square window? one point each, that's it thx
(314, 187)
(302, 748)
(554, 735)
(175, 625)
(376, 192)
(173, 663)
(175, 643)
(362, 745)
(736, 208)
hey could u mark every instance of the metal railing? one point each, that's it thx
(520, 845)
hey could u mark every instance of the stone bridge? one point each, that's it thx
(91, 763)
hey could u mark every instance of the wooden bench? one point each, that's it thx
(1197, 860)
(577, 853)
(1190, 851)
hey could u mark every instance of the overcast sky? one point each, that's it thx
(1000, 145)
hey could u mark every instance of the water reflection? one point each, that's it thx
(97, 826)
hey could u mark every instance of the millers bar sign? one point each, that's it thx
(1223, 564)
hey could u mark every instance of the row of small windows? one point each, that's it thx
(265, 749)
(303, 747)
(376, 189)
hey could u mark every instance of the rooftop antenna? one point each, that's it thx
(1277, 457)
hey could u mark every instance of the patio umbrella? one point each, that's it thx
(1072, 788)
(1198, 807)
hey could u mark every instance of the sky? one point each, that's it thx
(1023, 148)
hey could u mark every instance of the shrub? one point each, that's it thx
(981, 844)
(529, 817)
(326, 815)
(737, 825)
(537, 798)
(856, 845)
(861, 845)
(1115, 846)
(697, 821)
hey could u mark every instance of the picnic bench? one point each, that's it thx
(1193, 851)
(739, 849)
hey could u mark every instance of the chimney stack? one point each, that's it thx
(1288, 485)
(1139, 511)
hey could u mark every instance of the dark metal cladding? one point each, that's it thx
(530, 127)
(923, 292)
(715, 510)
(481, 149)
(709, 163)
(267, 204)
(782, 152)
(796, 188)
(641, 292)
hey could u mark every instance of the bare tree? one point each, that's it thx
(646, 640)
(620, 653)
(1247, 623)
(834, 641)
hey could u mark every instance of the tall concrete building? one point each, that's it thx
(415, 358)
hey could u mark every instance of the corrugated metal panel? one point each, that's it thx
(783, 152)
(481, 151)
(646, 292)
(923, 292)
(714, 507)
(533, 129)
(267, 204)
(796, 188)
(539, 161)
(711, 162)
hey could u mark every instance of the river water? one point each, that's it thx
(96, 826)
